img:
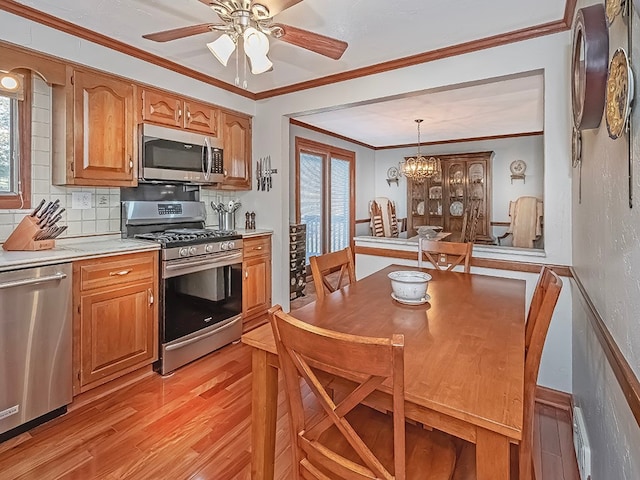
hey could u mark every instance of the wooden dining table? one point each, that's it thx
(464, 359)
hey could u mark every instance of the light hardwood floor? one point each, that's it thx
(192, 425)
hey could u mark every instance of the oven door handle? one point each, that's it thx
(227, 325)
(173, 270)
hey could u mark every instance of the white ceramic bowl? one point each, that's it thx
(409, 285)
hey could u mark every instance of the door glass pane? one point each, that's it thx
(340, 204)
(311, 201)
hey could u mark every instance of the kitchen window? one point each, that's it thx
(15, 140)
(325, 195)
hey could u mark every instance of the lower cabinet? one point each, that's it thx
(256, 281)
(115, 317)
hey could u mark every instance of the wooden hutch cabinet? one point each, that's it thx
(442, 200)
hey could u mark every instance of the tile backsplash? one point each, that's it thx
(103, 216)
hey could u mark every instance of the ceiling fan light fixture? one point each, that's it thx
(259, 64)
(256, 47)
(222, 48)
(255, 42)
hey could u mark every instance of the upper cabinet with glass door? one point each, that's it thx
(459, 200)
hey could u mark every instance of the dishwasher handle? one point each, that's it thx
(33, 281)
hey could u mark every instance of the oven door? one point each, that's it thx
(201, 307)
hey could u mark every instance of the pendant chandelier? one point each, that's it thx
(419, 168)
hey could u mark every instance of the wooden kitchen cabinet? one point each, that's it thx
(256, 281)
(174, 111)
(236, 130)
(97, 146)
(115, 317)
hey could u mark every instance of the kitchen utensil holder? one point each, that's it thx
(22, 237)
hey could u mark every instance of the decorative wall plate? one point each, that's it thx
(589, 66)
(576, 148)
(518, 167)
(393, 173)
(456, 209)
(613, 8)
(619, 93)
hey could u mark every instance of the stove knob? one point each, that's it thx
(224, 245)
(193, 250)
(184, 252)
(208, 248)
(231, 245)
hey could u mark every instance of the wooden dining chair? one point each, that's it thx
(348, 440)
(538, 322)
(323, 265)
(544, 280)
(445, 255)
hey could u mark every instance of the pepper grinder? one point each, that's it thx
(252, 223)
(247, 222)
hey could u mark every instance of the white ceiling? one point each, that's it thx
(377, 31)
(496, 107)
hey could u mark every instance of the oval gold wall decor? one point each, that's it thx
(619, 93)
(613, 8)
(589, 66)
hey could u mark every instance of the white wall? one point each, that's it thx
(529, 149)
(606, 257)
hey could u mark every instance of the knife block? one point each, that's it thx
(22, 237)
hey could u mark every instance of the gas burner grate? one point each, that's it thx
(186, 236)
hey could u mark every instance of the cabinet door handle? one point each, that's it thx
(130, 163)
(246, 274)
(258, 248)
(188, 115)
(121, 273)
(151, 299)
(179, 113)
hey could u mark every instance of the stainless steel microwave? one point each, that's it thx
(171, 155)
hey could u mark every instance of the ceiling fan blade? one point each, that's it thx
(174, 34)
(276, 6)
(327, 46)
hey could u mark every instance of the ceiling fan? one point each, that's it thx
(252, 21)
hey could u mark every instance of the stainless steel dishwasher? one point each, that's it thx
(35, 346)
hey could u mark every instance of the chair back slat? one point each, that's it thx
(455, 254)
(539, 328)
(304, 348)
(323, 265)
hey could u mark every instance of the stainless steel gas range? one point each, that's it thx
(201, 278)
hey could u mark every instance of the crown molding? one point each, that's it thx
(56, 23)
(37, 16)
(293, 121)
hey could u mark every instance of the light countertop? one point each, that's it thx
(253, 233)
(80, 248)
(68, 250)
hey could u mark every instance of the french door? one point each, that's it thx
(325, 195)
